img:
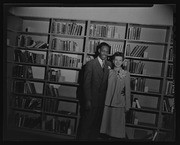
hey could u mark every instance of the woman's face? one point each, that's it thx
(118, 61)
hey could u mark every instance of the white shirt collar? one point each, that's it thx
(100, 60)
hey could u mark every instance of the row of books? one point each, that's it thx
(19, 71)
(170, 70)
(55, 75)
(135, 103)
(22, 71)
(52, 91)
(152, 136)
(138, 84)
(93, 46)
(168, 121)
(138, 51)
(64, 45)
(27, 120)
(55, 106)
(64, 60)
(170, 87)
(27, 41)
(167, 106)
(130, 117)
(24, 87)
(59, 126)
(107, 31)
(134, 33)
(170, 54)
(94, 43)
(51, 105)
(29, 57)
(26, 102)
(69, 28)
(136, 67)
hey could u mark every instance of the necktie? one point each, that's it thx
(103, 65)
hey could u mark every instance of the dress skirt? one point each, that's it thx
(113, 121)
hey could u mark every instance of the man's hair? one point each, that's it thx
(103, 44)
(99, 46)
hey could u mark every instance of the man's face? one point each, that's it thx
(103, 52)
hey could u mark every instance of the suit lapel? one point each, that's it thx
(98, 67)
(106, 69)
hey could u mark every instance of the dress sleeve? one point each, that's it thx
(128, 93)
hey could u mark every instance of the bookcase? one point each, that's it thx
(46, 55)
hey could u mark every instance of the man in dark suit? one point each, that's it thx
(94, 91)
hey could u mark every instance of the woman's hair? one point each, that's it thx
(117, 54)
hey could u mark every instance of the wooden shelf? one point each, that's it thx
(85, 38)
(145, 76)
(27, 110)
(146, 42)
(107, 39)
(145, 59)
(146, 93)
(169, 96)
(141, 126)
(63, 67)
(69, 52)
(70, 99)
(28, 79)
(33, 95)
(33, 33)
(63, 115)
(24, 63)
(67, 36)
(45, 133)
(145, 110)
(35, 18)
(26, 48)
(63, 83)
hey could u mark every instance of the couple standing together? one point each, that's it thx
(106, 94)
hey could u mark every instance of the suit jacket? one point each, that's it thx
(118, 91)
(95, 82)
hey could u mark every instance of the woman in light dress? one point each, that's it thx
(117, 99)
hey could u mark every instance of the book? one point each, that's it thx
(134, 50)
(18, 86)
(31, 45)
(141, 53)
(136, 53)
(170, 57)
(130, 116)
(154, 136)
(128, 49)
(167, 106)
(136, 121)
(137, 103)
(29, 72)
(169, 88)
(32, 87)
(134, 103)
(170, 70)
